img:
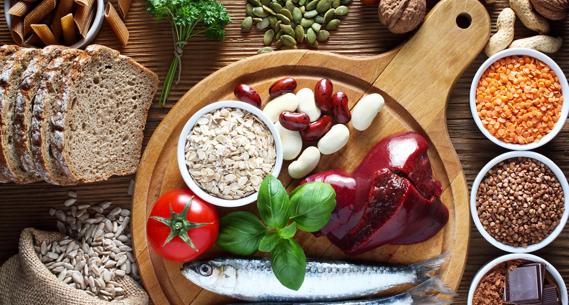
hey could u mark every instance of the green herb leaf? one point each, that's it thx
(273, 203)
(288, 231)
(240, 233)
(269, 242)
(312, 205)
(289, 263)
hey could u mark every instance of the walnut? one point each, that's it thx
(402, 16)
(551, 9)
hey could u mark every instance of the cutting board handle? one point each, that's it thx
(422, 73)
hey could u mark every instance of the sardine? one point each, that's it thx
(253, 280)
(420, 295)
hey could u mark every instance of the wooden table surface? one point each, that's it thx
(360, 34)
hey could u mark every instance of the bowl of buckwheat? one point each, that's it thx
(225, 150)
(519, 201)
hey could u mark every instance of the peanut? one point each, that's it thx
(542, 43)
(529, 17)
(504, 34)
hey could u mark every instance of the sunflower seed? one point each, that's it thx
(69, 202)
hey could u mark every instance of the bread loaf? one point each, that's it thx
(6, 175)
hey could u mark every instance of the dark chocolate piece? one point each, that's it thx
(524, 285)
(550, 296)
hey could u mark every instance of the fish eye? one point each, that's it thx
(205, 269)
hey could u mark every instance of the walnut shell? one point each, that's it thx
(402, 16)
(551, 9)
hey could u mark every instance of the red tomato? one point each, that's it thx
(182, 226)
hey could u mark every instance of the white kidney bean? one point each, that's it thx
(291, 141)
(334, 140)
(285, 102)
(306, 163)
(366, 110)
(307, 104)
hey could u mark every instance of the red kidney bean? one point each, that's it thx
(296, 121)
(247, 94)
(340, 109)
(323, 94)
(317, 129)
(282, 86)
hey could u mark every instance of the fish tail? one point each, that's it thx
(431, 286)
(429, 300)
(429, 268)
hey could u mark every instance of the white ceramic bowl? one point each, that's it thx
(564, 87)
(182, 159)
(527, 257)
(96, 24)
(560, 177)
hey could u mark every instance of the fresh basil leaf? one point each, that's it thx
(269, 242)
(288, 231)
(240, 233)
(312, 205)
(289, 263)
(273, 203)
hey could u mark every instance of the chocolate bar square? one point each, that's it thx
(524, 284)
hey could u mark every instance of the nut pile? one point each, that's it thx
(519, 99)
(289, 23)
(97, 251)
(229, 152)
(520, 202)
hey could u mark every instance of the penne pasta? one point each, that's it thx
(44, 34)
(124, 7)
(84, 15)
(116, 23)
(17, 30)
(38, 14)
(19, 9)
(63, 8)
(68, 29)
(87, 24)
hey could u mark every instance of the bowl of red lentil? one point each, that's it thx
(519, 201)
(517, 99)
(487, 286)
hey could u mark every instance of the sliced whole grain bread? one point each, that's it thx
(99, 123)
(6, 175)
(29, 85)
(47, 97)
(9, 87)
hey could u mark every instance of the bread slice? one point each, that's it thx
(9, 87)
(49, 90)
(99, 124)
(6, 175)
(29, 84)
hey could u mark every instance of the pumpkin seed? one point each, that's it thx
(312, 5)
(310, 14)
(323, 6)
(330, 14)
(296, 15)
(288, 40)
(306, 23)
(277, 26)
(264, 50)
(341, 10)
(287, 13)
(249, 10)
(289, 5)
(319, 19)
(260, 12)
(263, 24)
(287, 29)
(276, 7)
(246, 24)
(316, 27)
(257, 20)
(255, 3)
(272, 21)
(269, 10)
(303, 9)
(310, 36)
(302, 2)
(323, 35)
(333, 24)
(283, 18)
(336, 3)
(299, 33)
(268, 37)
(278, 35)
(265, 2)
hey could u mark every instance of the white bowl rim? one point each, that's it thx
(182, 159)
(519, 256)
(558, 174)
(96, 24)
(564, 88)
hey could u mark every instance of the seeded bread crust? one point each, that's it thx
(106, 91)
(47, 96)
(6, 175)
(29, 85)
(9, 87)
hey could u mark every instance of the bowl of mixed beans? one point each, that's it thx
(517, 99)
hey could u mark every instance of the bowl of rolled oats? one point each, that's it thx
(225, 150)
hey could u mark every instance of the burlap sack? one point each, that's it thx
(24, 280)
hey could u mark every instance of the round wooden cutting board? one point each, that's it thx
(415, 80)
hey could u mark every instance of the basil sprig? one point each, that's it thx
(307, 209)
